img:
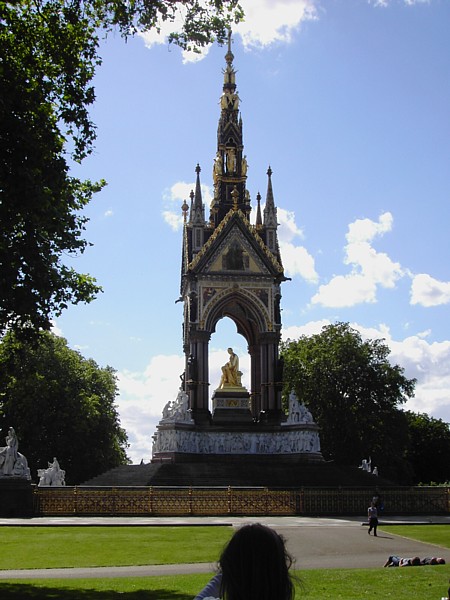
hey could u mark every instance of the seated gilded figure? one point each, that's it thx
(231, 376)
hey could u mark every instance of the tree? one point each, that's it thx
(49, 51)
(428, 448)
(353, 393)
(60, 404)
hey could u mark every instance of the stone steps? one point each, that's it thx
(243, 472)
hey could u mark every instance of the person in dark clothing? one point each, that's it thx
(372, 514)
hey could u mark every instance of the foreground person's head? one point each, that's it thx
(255, 566)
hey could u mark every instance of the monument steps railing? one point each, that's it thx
(222, 501)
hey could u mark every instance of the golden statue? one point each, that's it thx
(231, 376)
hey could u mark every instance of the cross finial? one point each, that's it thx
(185, 210)
(229, 55)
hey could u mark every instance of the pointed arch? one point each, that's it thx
(250, 317)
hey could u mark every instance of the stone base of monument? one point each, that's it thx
(231, 407)
(16, 497)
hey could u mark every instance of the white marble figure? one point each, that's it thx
(54, 475)
(298, 413)
(366, 465)
(12, 462)
(178, 410)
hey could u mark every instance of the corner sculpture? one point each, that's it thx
(12, 462)
(53, 476)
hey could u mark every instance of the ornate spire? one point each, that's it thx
(258, 212)
(270, 212)
(197, 206)
(230, 164)
(198, 190)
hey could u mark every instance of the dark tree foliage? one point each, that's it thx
(353, 393)
(48, 57)
(428, 448)
(60, 404)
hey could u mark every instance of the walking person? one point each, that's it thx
(372, 514)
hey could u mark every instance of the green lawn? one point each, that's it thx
(431, 534)
(30, 547)
(52, 547)
(346, 584)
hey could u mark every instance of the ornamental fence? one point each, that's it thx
(221, 501)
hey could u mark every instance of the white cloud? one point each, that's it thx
(174, 221)
(271, 21)
(385, 3)
(108, 213)
(369, 268)
(177, 194)
(429, 363)
(427, 291)
(288, 228)
(154, 37)
(365, 230)
(310, 328)
(142, 397)
(266, 22)
(345, 290)
(296, 259)
(55, 328)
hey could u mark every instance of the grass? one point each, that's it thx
(345, 584)
(53, 547)
(103, 546)
(431, 534)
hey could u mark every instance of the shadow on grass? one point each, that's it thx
(20, 591)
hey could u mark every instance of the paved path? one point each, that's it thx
(313, 542)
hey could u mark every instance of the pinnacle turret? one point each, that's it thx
(270, 212)
(230, 164)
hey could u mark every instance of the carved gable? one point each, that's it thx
(235, 255)
(235, 249)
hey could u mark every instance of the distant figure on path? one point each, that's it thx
(372, 514)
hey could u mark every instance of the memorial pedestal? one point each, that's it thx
(231, 407)
(16, 497)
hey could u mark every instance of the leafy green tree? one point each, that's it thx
(353, 393)
(60, 404)
(429, 448)
(49, 55)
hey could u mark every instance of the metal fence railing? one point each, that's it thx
(179, 501)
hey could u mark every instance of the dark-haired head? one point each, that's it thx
(255, 566)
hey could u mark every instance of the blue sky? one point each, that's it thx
(348, 102)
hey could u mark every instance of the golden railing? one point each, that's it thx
(184, 501)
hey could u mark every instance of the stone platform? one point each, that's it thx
(16, 497)
(237, 471)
